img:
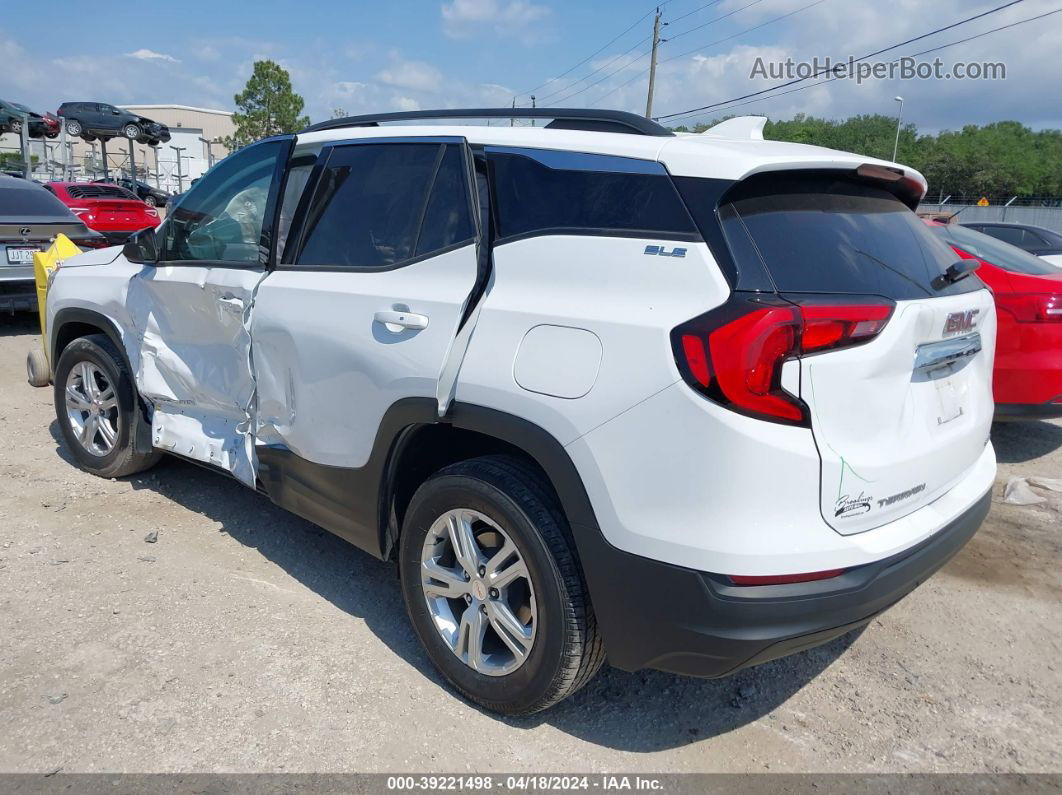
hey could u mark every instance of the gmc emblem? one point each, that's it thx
(960, 322)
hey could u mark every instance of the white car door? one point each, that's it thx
(191, 310)
(365, 306)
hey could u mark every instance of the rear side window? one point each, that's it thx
(822, 234)
(379, 205)
(1008, 234)
(552, 192)
(1001, 254)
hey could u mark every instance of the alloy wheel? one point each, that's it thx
(479, 592)
(92, 408)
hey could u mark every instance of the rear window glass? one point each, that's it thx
(95, 191)
(1000, 254)
(821, 234)
(539, 191)
(20, 201)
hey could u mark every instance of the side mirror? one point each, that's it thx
(115, 111)
(142, 247)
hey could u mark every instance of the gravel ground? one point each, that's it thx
(245, 639)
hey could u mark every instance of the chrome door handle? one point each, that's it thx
(397, 321)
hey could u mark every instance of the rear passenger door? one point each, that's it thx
(370, 292)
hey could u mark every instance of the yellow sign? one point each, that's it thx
(983, 202)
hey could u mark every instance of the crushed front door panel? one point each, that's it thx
(192, 361)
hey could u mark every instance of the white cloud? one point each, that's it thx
(406, 103)
(145, 54)
(411, 75)
(465, 18)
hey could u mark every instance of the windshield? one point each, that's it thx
(996, 252)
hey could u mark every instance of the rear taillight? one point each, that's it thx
(784, 579)
(151, 212)
(92, 242)
(1032, 307)
(734, 354)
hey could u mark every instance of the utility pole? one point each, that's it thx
(652, 66)
(210, 151)
(511, 124)
(533, 105)
(180, 174)
(155, 149)
(899, 116)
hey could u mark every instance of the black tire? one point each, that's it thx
(38, 373)
(567, 649)
(151, 201)
(16, 126)
(132, 131)
(74, 128)
(122, 459)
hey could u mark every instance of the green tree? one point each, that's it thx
(267, 106)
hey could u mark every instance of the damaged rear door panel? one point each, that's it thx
(192, 354)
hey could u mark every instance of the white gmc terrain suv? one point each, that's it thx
(685, 402)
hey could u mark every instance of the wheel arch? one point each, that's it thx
(468, 431)
(73, 322)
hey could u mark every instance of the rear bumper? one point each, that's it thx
(17, 295)
(1007, 412)
(658, 615)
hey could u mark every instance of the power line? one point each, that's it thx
(743, 32)
(856, 60)
(718, 41)
(711, 21)
(637, 22)
(897, 60)
(695, 11)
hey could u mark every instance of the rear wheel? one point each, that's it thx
(73, 127)
(16, 126)
(151, 201)
(97, 408)
(494, 589)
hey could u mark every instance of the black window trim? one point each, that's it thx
(266, 243)
(297, 232)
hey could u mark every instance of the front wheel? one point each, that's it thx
(151, 201)
(493, 587)
(97, 408)
(131, 131)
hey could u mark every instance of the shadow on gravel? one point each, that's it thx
(1018, 442)
(640, 712)
(18, 324)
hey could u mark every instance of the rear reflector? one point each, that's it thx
(734, 354)
(784, 579)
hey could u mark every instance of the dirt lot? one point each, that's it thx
(248, 640)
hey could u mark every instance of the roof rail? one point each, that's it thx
(563, 118)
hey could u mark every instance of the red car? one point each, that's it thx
(109, 209)
(1027, 380)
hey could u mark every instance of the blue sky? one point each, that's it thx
(380, 56)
